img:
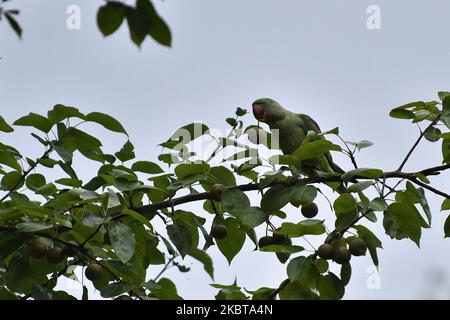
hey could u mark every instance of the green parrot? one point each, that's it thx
(292, 128)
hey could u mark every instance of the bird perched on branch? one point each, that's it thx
(292, 129)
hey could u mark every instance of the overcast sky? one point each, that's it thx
(315, 57)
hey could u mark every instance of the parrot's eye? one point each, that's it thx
(267, 101)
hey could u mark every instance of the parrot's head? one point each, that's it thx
(268, 110)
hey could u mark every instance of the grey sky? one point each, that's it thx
(315, 57)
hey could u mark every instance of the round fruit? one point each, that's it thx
(216, 192)
(279, 238)
(38, 250)
(55, 255)
(70, 250)
(219, 231)
(325, 251)
(341, 255)
(265, 241)
(93, 271)
(357, 247)
(310, 211)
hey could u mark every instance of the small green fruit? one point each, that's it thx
(310, 211)
(325, 251)
(357, 247)
(93, 271)
(55, 255)
(38, 250)
(219, 231)
(341, 255)
(265, 241)
(216, 192)
(279, 238)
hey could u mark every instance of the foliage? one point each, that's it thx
(109, 219)
(142, 20)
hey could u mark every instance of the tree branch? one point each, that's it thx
(254, 187)
(422, 133)
(26, 173)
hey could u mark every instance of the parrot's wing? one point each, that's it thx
(309, 124)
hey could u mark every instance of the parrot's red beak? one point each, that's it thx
(258, 112)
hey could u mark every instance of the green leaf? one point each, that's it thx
(180, 237)
(185, 134)
(185, 170)
(432, 134)
(70, 182)
(126, 153)
(166, 291)
(231, 121)
(447, 227)
(7, 158)
(240, 112)
(346, 273)
(122, 240)
(234, 200)
(360, 186)
(302, 194)
(362, 172)
(361, 144)
(420, 194)
(406, 219)
(4, 126)
(205, 259)
(330, 287)
(314, 149)
(445, 205)
(446, 150)
(12, 181)
(378, 204)
(115, 289)
(160, 31)
(250, 216)
(443, 94)
(310, 226)
(371, 240)
(61, 112)
(106, 121)
(446, 111)
(146, 167)
(275, 198)
(137, 217)
(14, 24)
(346, 210)
(35, 120)
(402, 113)
(109, 17)
(303, 270)
(282, 248)
(232, 244)
(35, 181)
(32, 226)
(334, 131)
(224, 175)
